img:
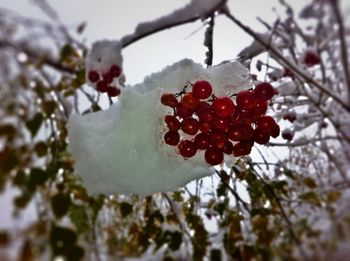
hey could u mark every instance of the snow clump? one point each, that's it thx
(121, 150)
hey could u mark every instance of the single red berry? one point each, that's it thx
(311, 58)
(204, 127)
(217, 139)
(183, 111)
(113, 91)
(115, 70)
(172, 122)
(228, 148)
(206, 114)
(242, 148)
(266, 124)
(246, 100)
(213, 156)
(190, 101)
(246, 117)
(223, 106)
(275, 131)
(202, 141)
(169, 99)
(93, 76)
(190, 126)
(261, 137)
(107, 77)
(187, 148)
(287, 134)
(241, 132)
(260, 107)
(290, 116)
(202, 89)
(172, 138)
(264, 91)
(288, 73)
(201, 106)
(102, 86)
(220, 123)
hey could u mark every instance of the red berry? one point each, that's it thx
(246, 100)
(169, 99)
(187, 148)
(288, 73)
(242, 148)
(246, 117)
(172, 138)
(260, 107)
(202, 141)
(275, 131)
(213, 156)
(183, 111)
(217, 139)
(287, 134)
(241, 132)
(261, 137)
(264, 91)
(201, 106)
(204, 127)
(311, 58)
(190, 126)
(206, 114)
(223, 106)
(172, 122)
(113, 91)
(228, 148)
(266, 124)
(202, 89)
(115, 70)
(220, 123)
(291, 116)
(190, 101)
(107, 77)
(93, 76)
(102, 86)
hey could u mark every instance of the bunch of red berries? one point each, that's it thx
(217, 124)
(104, 82)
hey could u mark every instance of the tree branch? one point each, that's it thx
(288, 63)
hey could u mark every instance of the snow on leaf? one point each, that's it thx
(121, 150)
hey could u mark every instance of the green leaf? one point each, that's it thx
(173, 238)
(37, 177)
(79, 218)
(8, 130)
(215, 255)
(4, 238)
(62, 240)
(125, 209)
(60, 204)
(40, 149)
(310, 182)
(34, 124)
(66, 51)
(49, 107)
(333, 196)
(310, 197)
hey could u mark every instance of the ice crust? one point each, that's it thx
(121, 150)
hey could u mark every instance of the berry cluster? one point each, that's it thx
(217, 125)
(104, 82)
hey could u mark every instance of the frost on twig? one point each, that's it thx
(196, 9)
(121, 150)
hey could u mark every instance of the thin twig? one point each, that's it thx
(343, 46)
(287, 62)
